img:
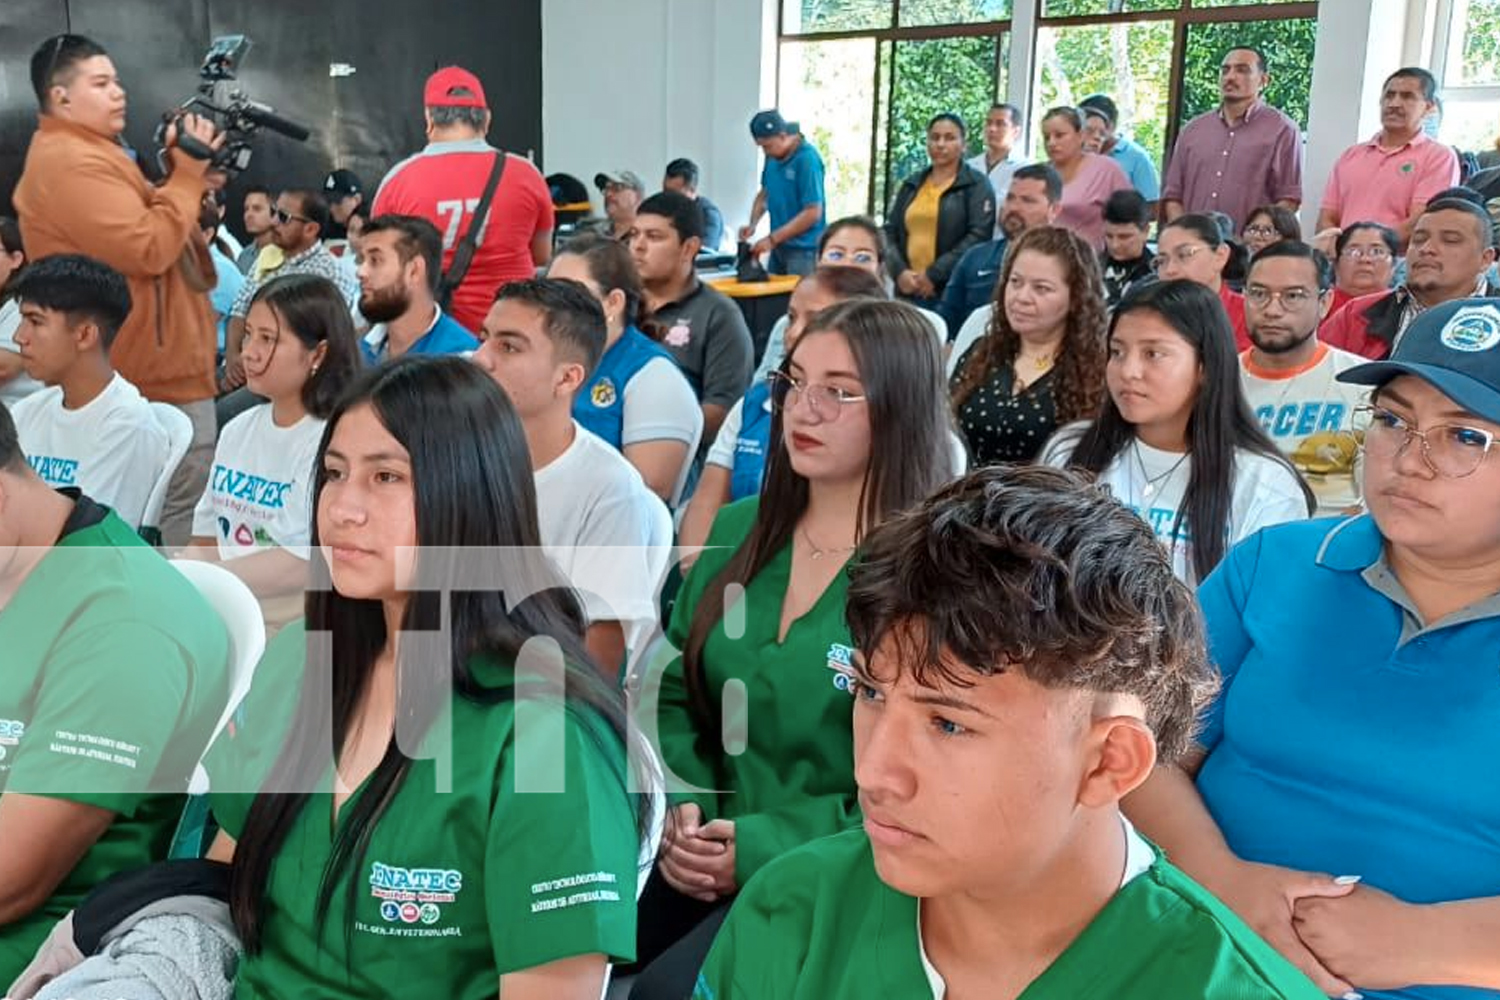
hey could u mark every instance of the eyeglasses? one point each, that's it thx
(1260, 232)
(1181, 255)
(1368, 253)
(1290, 298)
(282, 216)
(827, 401)
(860, 257)
(1451, 450)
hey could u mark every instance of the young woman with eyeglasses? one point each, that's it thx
(1340, 797)
(856, 242)
(736, 463)
(860, 431)
(1193, 247)
(1269, 224)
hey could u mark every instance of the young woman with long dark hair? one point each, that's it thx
(1175, 440)
(1194, 247)
(860, 429)
(472, 832)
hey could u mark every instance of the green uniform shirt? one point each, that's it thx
(115, 673)
(456, 888)
(819, 924)
(795, 780)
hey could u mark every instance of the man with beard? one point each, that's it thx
(1030, 201)
(1451, 249)
(400, 266)
(1291, 377)
(298, 222)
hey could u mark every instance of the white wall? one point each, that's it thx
(633, 83)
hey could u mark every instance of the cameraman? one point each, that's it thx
(81, 193)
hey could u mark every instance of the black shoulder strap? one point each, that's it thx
(463, 256)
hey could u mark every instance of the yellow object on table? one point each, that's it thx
(776, 284)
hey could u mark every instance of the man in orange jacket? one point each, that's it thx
(80, 192)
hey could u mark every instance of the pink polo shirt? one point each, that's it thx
(1083, 198)
(1373, 184)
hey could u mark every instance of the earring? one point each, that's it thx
(314, 371)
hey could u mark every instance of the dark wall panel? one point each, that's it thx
(365, 121)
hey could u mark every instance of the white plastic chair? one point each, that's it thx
(179, 428)
(972, 330)
(241, 614)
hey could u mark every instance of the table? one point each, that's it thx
(762, 302)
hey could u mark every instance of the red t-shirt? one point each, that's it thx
(444, 184)
(1234, 305)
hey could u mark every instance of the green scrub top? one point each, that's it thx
(115, 673)
(455, 888)
(819, 924)
(794, 781)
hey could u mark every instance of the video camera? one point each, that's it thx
(234, 114)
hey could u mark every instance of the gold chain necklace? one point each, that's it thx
(818, 553)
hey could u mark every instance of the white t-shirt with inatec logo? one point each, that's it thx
(112, 448)
(259, 493)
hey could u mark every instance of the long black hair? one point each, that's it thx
(471, 472)
(1221, 422)
(910, 455)
(1211, 233)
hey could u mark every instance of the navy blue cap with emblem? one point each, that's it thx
(1455, 348)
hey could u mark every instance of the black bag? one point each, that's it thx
(463, 255)
(746, 267)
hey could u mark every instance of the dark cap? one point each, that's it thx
(341, 184)
(625, 178)
(1455, 348)
(768, 123)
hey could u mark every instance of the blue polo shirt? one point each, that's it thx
(444, 336)
(972, 283)
(1350, 737)
(791, 185)
(1136, 162)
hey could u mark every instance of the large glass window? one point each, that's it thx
(865, 96)
(1469, 67)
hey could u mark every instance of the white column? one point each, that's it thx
(1021, 71)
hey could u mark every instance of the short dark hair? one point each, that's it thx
(683, 169)
(444, 115)
(1422, 76)
(1298, 250)
(1477, 213)
(10, 235)
(1103, 105)
(81, 288)
(845, 283)
(571, 316)
(683, 212)
(1460, 192)
(260, 189)
(315, 312)
(415, 237)
(1283, 220)
(1260, 57)
(1042, 572)
(12, 459)
(1067, 111)
(54, 59)
(1044, 172)
(1128, 208)
(1387, 235)
(313, 207)
(952, 119)
(1016, 117)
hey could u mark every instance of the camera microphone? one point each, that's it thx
(266, 117)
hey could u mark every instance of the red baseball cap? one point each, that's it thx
(439, 92)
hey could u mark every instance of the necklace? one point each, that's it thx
(818, 553)
(1149, 490)
(1041, 362)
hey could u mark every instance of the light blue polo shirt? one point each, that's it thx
(1350, 737)
(791, 185)
(1136, 162)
